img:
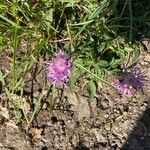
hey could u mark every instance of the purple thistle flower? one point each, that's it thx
(59, 69)
(123, 88)
(135, 79)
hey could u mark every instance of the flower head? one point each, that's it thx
(59, 68)
(135, 79)
(123, 88)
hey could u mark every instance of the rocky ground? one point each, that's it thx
(108, 122)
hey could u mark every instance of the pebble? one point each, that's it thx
(106, 115)
(104, 104)
(36, 94)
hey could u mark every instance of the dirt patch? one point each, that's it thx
(104, 123)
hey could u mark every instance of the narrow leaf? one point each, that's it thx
(91, 89)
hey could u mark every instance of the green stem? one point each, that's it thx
(53, 94)
(14, 58)
(102, 80)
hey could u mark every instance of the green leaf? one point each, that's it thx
(2, 77)
(102, 47)
(103, 63)
(99, 10)
(73, 80)
(9, 21)
(70, 3)
(91, 89)
(76, 73)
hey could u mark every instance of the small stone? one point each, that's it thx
(4, 113)
(113, 143)
(44, 106)
(108, 127)
(104, 104)
(54, 132)
(36, 94)
(106, 115)
(93, 103)
(1, 145)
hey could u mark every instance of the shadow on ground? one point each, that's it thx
(139, 139)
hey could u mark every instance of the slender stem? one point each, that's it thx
(14, 58)
(102, 80)
(53, 94)
(62, 13)
(37, 106)
(22, 106)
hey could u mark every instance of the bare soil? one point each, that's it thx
(108, 122)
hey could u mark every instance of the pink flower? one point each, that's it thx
(59, 69)
(123, 88)
(135, 79)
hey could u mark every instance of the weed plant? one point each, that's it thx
(98, 35)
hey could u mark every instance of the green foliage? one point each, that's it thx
(98, 35)
(91, 89)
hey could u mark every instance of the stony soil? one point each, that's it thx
(108, 122)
